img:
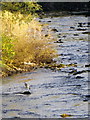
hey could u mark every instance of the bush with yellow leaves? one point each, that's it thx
(28, 41)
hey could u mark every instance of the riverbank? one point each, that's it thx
(54, 14)
(63, 13)
(11, 70)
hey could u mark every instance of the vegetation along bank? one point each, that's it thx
(25, 44)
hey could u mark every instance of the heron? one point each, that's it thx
(27, 92)
(27, 86)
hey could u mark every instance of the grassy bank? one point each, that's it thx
(26, 43)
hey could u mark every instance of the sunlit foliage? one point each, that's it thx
(23, 38)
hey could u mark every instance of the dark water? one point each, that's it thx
(54, 92)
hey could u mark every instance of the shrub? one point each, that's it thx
(32, 45)
(25, 41)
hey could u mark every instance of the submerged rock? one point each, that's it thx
(72, 27)
(85, 100)
(76, 34)
(49, 21)
(79, 72)
(80, 24)
(16, 93)
(87, 65)
(26, 93)
(78, 85)
(64, 36)
(79, 29)
(59, 41)
(55, 30)
(79, 77)
(87, 96)
(85, 32)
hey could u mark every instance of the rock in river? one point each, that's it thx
(26, 93)
(59, 41)
(55, 30)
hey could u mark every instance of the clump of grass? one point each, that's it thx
(23, 41)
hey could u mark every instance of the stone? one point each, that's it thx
(79, 77)
(79, 24)
(76, 34)
(55, 30)
(26, 93)
(87, 65)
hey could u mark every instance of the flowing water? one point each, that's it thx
(54, 92)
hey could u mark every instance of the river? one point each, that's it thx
(54, 92)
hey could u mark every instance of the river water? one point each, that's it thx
(54, 92)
